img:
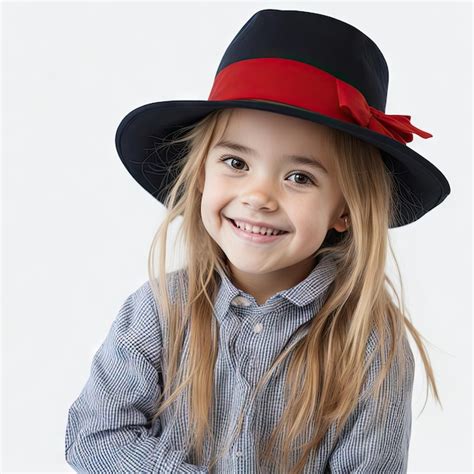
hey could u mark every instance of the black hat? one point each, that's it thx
(304, 65)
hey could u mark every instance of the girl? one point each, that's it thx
(278, 347)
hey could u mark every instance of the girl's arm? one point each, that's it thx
(108, 427)
(366, 446)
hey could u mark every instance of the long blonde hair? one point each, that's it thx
(328, 366)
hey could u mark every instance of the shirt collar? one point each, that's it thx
(309, 290)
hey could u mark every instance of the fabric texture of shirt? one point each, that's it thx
(109, 428)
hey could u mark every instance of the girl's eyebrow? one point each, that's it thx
(299, 159)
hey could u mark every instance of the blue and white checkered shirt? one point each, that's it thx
(109, 427)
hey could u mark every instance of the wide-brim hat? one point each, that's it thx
(300, 64)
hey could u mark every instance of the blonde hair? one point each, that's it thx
(328, 366)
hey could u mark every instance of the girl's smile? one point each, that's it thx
(251, 237)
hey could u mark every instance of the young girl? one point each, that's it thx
(278, 347)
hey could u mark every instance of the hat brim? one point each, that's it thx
(421, 186)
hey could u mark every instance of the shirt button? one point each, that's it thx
(258, 328)
(241, 301)
(238, 453)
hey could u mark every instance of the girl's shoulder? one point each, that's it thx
(139, 323)
(176, 281)
(374, 339)
(144, 298)
(400, 376)
(144, 292)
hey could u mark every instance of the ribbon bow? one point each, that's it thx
(353, 103)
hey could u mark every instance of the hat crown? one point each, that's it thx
(317, 40)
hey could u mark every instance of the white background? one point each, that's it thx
(77, 228)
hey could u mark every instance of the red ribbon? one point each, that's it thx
(303, 86)
(395, 126)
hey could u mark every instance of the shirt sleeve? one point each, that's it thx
(367, 446)
(109, 427)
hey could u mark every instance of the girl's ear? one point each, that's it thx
(340, 225)
(342, 222)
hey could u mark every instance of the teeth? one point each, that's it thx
(257, 229)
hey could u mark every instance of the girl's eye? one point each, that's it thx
(308, 177)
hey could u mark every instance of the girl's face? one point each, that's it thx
(263, 184)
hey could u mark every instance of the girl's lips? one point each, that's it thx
(257, 238)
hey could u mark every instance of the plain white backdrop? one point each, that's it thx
(77, 228)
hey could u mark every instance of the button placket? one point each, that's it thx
(240, 355)
(241, 445)
(257, 329)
